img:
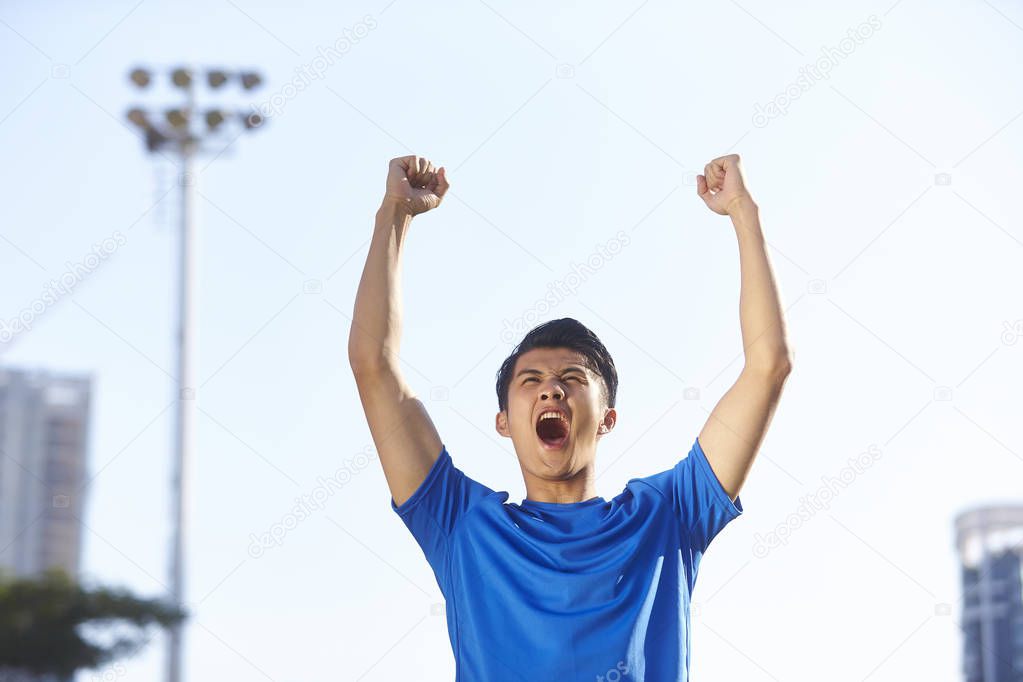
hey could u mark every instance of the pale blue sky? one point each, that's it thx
(896, 284)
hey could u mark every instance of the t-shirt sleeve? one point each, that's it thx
(698, 501)
(435, 508)
(703, 506)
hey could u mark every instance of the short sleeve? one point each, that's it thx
(702, 503)
(698, 501)
(435, 508)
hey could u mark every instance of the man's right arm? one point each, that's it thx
(406, 439)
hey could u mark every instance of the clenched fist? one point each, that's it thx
(413, 183)
(723, 187)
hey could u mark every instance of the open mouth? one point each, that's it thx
(552, 429)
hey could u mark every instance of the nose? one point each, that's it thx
(552, 391)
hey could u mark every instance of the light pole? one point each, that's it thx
(180, 134)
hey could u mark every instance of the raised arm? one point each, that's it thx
(735, 429)
(406, 440)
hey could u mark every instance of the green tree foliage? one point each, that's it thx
(42, 621)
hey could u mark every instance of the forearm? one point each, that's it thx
(760, 311)
(375, 335)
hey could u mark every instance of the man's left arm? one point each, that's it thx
(736, 427)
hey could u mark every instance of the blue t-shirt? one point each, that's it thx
(587, 591)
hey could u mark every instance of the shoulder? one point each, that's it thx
(667, 483)
(447, 491)
(660, 484)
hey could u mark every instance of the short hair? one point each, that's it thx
(563, 333)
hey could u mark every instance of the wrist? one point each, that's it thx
(740, 206)
(395, 206)
(746, 219)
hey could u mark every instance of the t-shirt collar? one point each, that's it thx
(561, 506)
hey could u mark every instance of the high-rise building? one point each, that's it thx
(990, 544)
(44, 420)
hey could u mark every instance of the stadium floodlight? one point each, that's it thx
(251, 80)
(177, 131)
(214, 117)
(216, 78)
(139, 118)
(181, 77)
(252, 120)
(178, 118)
(140, 77)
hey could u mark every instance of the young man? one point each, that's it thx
(566, 585)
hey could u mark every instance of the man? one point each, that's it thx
(566, 585)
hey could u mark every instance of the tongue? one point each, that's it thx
(552, 431)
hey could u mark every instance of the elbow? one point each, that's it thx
(368, 354)
(783, 365)
(359, 359)
(362, 356)
(362, 366)
(370, 364)
(778, 366)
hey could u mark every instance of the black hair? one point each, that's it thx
(563, 333)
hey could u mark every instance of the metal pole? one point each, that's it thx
(185, 142)
(185, 432)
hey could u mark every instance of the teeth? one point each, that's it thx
(551, 415)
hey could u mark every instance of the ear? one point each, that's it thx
(608, 423)
(501, 422)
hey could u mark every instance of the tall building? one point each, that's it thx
(44, 421)
(990, 544)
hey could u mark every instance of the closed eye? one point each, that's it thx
(528, 379)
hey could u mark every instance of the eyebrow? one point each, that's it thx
(570, 368)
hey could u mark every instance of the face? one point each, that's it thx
(555, 379)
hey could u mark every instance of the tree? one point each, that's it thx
(42, 619)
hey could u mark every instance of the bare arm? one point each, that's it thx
(406, 439)
(737, 425)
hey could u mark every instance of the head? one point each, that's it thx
(558, 365)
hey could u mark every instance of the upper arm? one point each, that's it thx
(406, 440)
(737, 425)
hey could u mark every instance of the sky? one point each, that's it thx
(880, 140)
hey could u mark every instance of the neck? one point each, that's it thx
(579, 487)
